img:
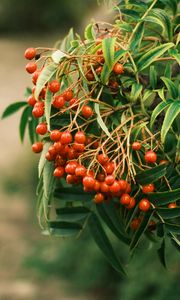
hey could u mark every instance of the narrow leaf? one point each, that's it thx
(171, 114)
(108, 45)
(12, 108)
(170, 87)
(64, 229)
(48, 108)
(169, 213)
(72, 214)
(151, 175)
(100, 120)
(138, 35)
(161, 253)
(174, 228)
(164, 198)
(159, 108)
(42, 159)
(23, 122)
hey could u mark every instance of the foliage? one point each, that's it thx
(126, 73)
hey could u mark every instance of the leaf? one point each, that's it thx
(89, 32)
(141, 229)
(65, 45)
(169, 213)
(151, 175)
(57, 56)
(64, 229)
(163, 198)
(106, 71)
(171, 3)
(32, 123)
(161, 253)
(23, 122)
(100, 120)
(48, 179)
(148, 58)
(175, 241)
(12, 108)
(45, 75)
(171, 114)
(153, 77)
(109, 214)
(103, 243)
(170, 87)
(159, 108)
(135, 91)
(174, 228)
(174, 53)
(47, 109)
(108, 45)
(138, 35)
(72, 214)
(42, 159)
(131, 13)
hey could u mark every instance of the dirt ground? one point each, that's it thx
(16, 231)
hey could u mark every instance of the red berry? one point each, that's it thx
(172, 205)
(149, 188)
(31, 67)
(72, 153)
(58, 102)
(80, 137)
(123, 184)
(54, 86)
(66, 137)
(135, 223)
(58, 146)
(101, 177)
(104, 187)
(88, 182)
(118, 68)
(37, 147)
(150, 156)
(55, 135)
(144, 205)
(136, 146)
(68, 95)
(87, 111)
(78, 147)
(31, 100)
(115, 187)
(30, 53)
(59, 172)
(35, 76)
(109, 167)
(70, 179)
(52, 151)
(41, 128)
(102, 159)
(38, 111)
(131, 204)
(109, 180)
(125, 199)
(90, 76)
(96, 186)
(128, 189)
(80, 171)
(49, 157)
(71, 167)
(98, 198)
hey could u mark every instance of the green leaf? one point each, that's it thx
(23, 122)
(168, 213)
(45, 75)
(153, 77)
(151, 175)
(163, 198)
(148, 58)
(174, 53)
(42, 159)
(161, 253)
(108, 45)
(72, 214)
(171, 114)
(138, 35)
(174, 228)
(175, 241)
(170, 87)
(159, 108)
(48, 179)
(141, 229)
(64, 229)
(32, 123)
(12, 108)
(65, 45)
(103, 243)
(100, 120)
(48, 108)
(112, 219)
(131, 13)
(171, 3)
(57, 56)
(106, 71)
(135, 91)
(89, 32)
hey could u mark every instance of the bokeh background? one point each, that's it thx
(32, 266)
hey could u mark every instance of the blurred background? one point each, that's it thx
(32, 266)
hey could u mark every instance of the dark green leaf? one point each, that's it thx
(72, 214)
(148, 58)
(42, 159)
(161, 253)
(103, 243)
(159, 108)
(151, 175)
(135, 43)
(168, 213)
(131, 13)
(170, 87)
(164, 198)
(160, 17)
(171, 114)
(32, 122)
(48, 108)
(12, 108)
(174, 53)
(108, 45)
(135, 91)
(174, 228)
(109, 214)
(175, 241)
(23, 122)
(153, 77)
(141, 229)
(100, 120)
(64, 229)
(48, 179)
